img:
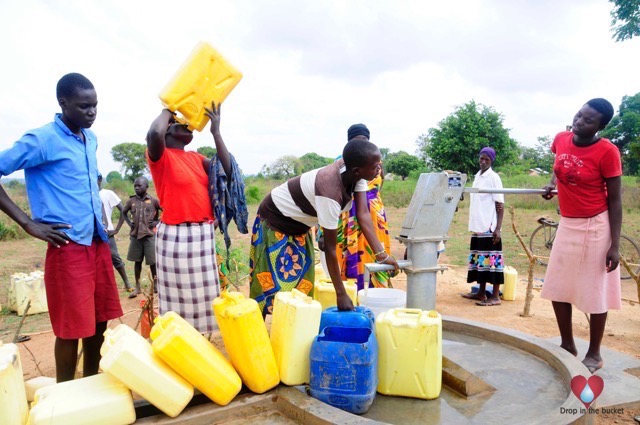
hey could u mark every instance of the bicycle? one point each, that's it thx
(542, 240)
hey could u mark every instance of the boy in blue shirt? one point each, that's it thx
(60, 167)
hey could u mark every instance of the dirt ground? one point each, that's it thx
(622, 332)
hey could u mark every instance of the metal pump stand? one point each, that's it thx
(427, 222)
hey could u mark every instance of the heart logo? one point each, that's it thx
(587, 390)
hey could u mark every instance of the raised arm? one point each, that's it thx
(221, 148)
(156, 133)
(46, 232)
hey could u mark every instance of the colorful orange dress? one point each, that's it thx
(353, 250)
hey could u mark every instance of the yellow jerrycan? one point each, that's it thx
(129, 358)
(510, 286)
(190, 354)
(409, 353)
(246, 339)
(99, 400)
(14, 409)
(325, 293)
(294, 326)
(204, 77)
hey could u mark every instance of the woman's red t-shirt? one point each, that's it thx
(182, 186)
(581, 174)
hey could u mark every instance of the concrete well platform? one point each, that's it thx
(531, 377)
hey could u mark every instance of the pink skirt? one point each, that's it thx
(577, 272)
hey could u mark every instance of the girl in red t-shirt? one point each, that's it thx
(583, 268)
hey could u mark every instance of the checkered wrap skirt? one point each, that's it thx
(187, 272)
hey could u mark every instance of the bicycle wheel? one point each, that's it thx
(629, 249)
(541, 242)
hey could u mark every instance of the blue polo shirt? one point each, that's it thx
(61, 177)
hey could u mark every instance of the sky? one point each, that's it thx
(313, 68)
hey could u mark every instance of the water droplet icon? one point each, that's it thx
(587, 395)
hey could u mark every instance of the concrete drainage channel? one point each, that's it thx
(509, 376)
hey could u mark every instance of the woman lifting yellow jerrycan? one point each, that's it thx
(204, 77)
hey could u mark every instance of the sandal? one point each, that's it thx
(488, 302)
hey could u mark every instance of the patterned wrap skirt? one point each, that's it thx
(577, 273)
(279, 262)
(486, 264)
(187, 272)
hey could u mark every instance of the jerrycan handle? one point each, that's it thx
(232, 297)
(299, 295)
(407, 311)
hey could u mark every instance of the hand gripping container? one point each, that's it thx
(129, 358)
(204, 77)
(509, 289)
(344, 364)
(247, 341)
(410, 353)
(99, 400)
(14, 409)
(190, 354)
(360, 317)
(325, 293)
(294, 326)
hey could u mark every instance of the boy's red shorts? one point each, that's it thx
(81, 288)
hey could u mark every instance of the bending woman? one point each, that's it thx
(583, 268)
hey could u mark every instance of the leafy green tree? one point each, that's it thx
(624, 132)
(207, 151)
(625, 19)
(456, 142)
(131, 156)
(539, 156)
(113, 176)
(283, 167)
(383, 154)
(311, 161)
(402, 164)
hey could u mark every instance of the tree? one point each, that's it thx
(311, 161)
(113, 175)
(539, 156)
(383, 154)
(624, 132)
(456, 142)
(131, 156)
(625, 19)
(283, 167)
(207, 151)
(402, 164)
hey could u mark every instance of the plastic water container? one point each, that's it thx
(344, 364)
(410, 353)
(294, 326)
(99, 400)
(14, 409)
(34, 384)
(510, 286)
(360, 317)
(247, 341)
(325, 293)
(28, 287)
(128, 357)
(190, 354)
(380, 300)
(204, 77)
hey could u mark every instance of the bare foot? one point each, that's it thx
(134, 293)
(593, 364)
(571, 350)
(474, 296)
